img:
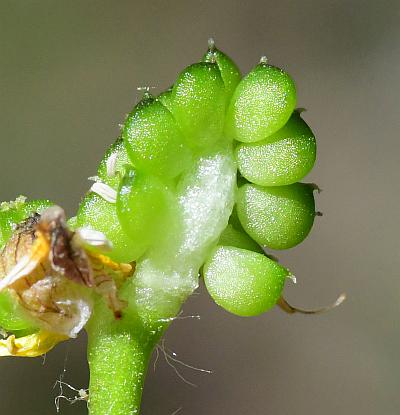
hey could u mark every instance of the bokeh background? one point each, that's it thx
(68, 74)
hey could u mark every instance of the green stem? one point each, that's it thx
(118, 355)
(117, 369)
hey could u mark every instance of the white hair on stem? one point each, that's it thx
(171, 358)
(179, 317)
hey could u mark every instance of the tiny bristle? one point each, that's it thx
(211, 44)
(263, 60)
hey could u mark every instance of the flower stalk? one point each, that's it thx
(118, 359)
(118, 354)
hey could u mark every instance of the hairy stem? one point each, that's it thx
(118, 355)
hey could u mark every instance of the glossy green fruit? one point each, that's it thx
(278, 217)
(285, 157)
(239, 239)
(199, 100)
(243, 282)
(112, 166)
(141, 204)
(261, 104)
(166, 99)
(229, 71)
(153, 140)
(98, 214)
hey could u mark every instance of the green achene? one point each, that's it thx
(261, 104)
(243, 282)
(229, 71)
(277, 217)
(153, 140)
(99, 214)
(198, 104)
(166, 99)
(232, 236)
(285, 157)
(141, 205)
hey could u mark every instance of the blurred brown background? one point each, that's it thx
(68, 74)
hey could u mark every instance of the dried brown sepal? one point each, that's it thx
(53, 276)
(66, 259)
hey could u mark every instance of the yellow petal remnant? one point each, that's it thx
(33, 345)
